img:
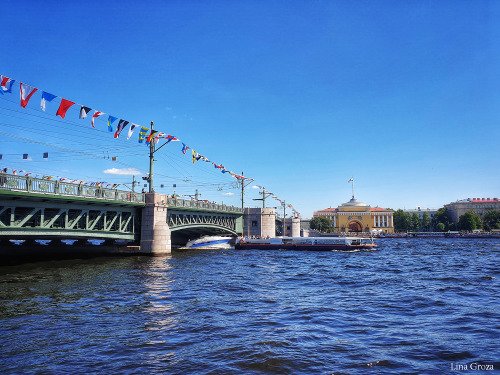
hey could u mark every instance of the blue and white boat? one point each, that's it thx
(210, 242)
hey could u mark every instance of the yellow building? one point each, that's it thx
(354, 216)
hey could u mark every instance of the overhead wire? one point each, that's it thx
(179, 164)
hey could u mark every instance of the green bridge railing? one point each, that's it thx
(182, 203)
(41, 186)
(54, 187)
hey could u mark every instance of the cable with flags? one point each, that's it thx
(282, 202)
(27, 91)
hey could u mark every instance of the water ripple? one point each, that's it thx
(413, 306)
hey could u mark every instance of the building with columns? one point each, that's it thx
(354, 216)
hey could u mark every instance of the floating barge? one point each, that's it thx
(307, 243)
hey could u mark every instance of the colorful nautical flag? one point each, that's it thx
(27, 92)
(171, 138)
(84, 111)
(151, 135)
(158, 136)
(63, 107)
(111, 119)
(184, 148)
(131, 130)
(95, 115)
(6, 84)
(121, 125)
(46, 97)
(196, 156)
(142, 133)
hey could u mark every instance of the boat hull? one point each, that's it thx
(333, 247)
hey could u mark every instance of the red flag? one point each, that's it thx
(63, 107)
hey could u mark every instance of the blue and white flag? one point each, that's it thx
(46, 97)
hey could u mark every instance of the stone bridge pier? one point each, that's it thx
(292, 227)
(259, 222)
(155, 233)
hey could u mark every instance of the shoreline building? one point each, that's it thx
(478, 205)
(354, 216)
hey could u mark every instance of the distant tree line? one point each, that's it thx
(411, 222)
(321, 224)
(442, 222)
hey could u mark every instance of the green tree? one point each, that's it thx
(402, 221)
(426, 221)
(443, 216)
(415, 222)
(321, 224)
(491, 220)
(440, 227)
(470, 221)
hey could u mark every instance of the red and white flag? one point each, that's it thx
(95, 115)
(5, 84)
(27, 92)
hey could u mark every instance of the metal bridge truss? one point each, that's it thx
(179, 220)
(35, 220)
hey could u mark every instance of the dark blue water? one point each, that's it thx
(414, 306)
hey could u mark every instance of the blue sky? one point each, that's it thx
(401, 95)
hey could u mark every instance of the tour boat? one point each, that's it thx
(306, 243)
(210, 242)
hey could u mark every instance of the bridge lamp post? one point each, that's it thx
(152, 151)
(243, 186)
(263, 199)
(284, 216)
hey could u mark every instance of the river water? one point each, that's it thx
(414, 306)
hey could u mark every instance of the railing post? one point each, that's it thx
(28, 184)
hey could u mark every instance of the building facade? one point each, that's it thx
(354, 216)
(478, 205)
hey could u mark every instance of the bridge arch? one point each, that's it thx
(181, 234)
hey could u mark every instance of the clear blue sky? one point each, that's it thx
(300, 95)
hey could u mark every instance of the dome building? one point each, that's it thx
(354, 216)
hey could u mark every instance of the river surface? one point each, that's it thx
(415, 306)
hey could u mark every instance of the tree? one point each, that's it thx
(440, 227)
(443, 216)
(426, 221)
(402, 221)
(321, 224)
(415, 222)
(491, 220)
(470, 221)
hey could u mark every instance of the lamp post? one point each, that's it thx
(284, 215)
(151, 159)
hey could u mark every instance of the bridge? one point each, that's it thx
(41, 209)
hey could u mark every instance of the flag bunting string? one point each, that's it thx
(27, 91)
